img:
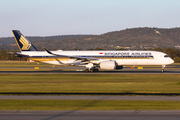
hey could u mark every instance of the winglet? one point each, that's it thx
(51, 52)
(48, 51)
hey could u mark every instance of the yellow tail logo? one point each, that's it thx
(25, 43)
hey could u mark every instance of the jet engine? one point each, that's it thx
(110, 65)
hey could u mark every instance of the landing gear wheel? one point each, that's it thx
(96, 70)
(91, 70)
(86, 70)
(162, 70)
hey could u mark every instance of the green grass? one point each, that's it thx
(29, 66)
(31, 69)
(25, 64)
(87, 83)
(88, 105)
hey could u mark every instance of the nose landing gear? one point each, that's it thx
(163, 66)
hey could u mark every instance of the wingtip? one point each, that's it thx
(47, 50)
(44, 48)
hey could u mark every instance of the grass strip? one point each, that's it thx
(87, 83)
(88, 105)
(25, 64)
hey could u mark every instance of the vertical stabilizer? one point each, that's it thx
(23, 43)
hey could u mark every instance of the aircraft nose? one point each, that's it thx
(171, 61)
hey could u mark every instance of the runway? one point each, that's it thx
(169, 69)
(91, 115)
(147, 98)
(79, 71)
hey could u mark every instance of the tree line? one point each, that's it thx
(5, 55)
(172, 52)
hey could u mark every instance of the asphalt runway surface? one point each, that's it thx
(91, 115)
(35, 97)
(80, 71)
(170, 69)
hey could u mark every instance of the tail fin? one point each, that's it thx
(23, 43)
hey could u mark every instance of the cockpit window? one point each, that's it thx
(166, 56)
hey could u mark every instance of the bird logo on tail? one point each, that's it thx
(25, 43)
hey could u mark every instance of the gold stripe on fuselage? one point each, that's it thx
(49, 59)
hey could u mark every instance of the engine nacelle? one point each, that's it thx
(110, 65)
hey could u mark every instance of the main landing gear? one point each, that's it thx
(92, 70)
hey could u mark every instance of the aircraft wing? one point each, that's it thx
(73, 57)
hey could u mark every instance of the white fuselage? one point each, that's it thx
(121, 57)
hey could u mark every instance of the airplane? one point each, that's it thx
(92, 60)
